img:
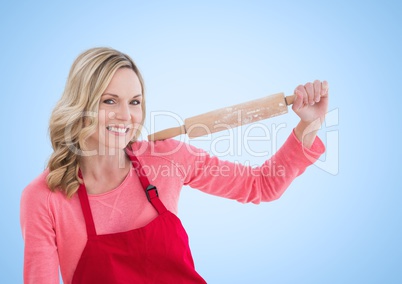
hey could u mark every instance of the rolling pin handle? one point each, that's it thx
(290, 99)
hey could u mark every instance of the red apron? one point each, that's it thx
(156, 253)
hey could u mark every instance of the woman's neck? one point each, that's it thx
(102, 173)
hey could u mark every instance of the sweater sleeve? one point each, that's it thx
(41, 261)
(253, 184)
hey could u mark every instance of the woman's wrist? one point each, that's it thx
(306, 132)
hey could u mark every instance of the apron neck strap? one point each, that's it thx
(150, 190)
(86, 209)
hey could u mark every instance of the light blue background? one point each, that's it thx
(201, 55)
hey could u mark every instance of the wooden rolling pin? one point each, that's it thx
(228, 117)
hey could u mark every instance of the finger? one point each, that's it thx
(303, 94)
(298, 102)
(324, 88)
(310, 93)
(317, 90)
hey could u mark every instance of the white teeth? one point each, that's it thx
(116, 129)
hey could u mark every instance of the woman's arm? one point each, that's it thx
(269, 181)
(41, 263)
(245, 183)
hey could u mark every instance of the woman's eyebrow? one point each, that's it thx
(116, 96)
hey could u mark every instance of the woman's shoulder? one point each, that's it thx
(36, 191)
(39, 183)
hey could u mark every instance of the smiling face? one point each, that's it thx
(120, 113)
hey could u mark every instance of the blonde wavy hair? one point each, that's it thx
(74, 117)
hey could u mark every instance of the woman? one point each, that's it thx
(104, 211)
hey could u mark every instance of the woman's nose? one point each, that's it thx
(123, 113)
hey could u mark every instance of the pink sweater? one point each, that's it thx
(53, 226)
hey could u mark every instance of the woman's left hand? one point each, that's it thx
(311, 101)
(311, 105)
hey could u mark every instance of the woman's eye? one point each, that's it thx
(108, 101)
(135, 102)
